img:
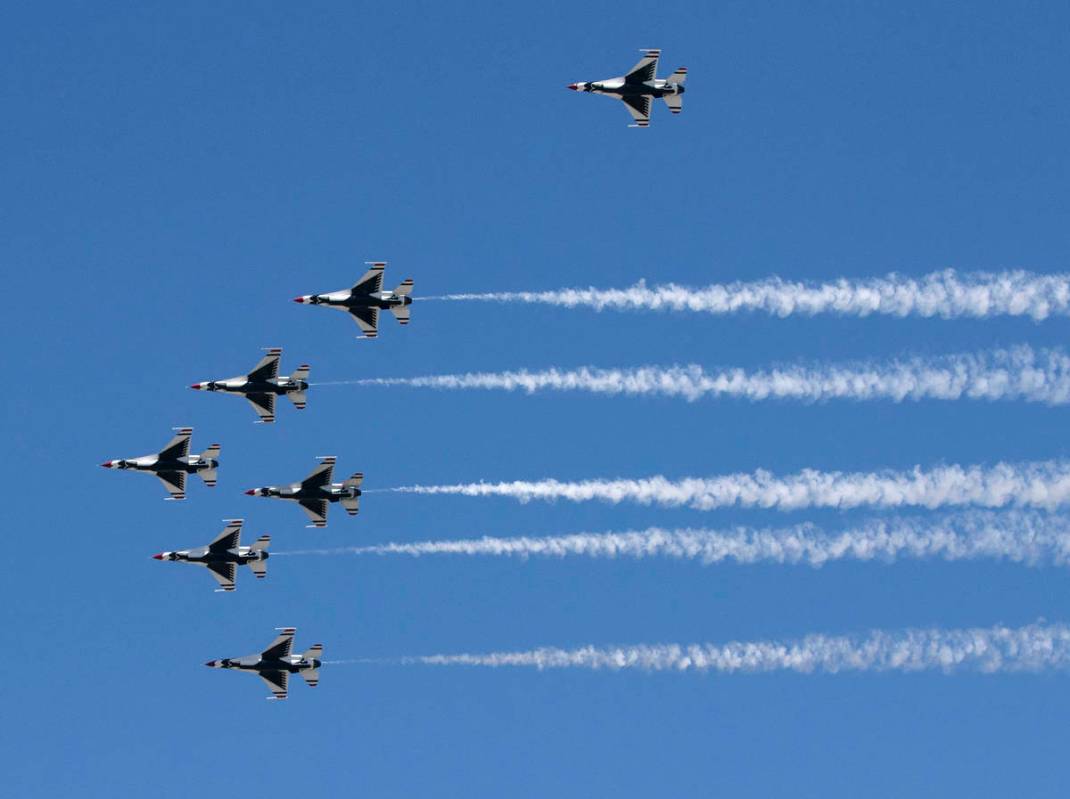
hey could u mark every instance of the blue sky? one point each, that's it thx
(173, 176)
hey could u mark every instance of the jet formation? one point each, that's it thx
(225, 554)
(366, 298)
(316, 491)
(172, 463)
(263, 384)
(640, 87)
(275, 664)
(363, 301)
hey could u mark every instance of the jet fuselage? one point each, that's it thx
(618, 87)
(190, 464)
(383, 300)
(290, 663)
(335, 492)
(206, 555)
(280, 386)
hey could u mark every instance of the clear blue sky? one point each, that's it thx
(175, 173)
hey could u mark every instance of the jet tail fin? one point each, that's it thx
(258, 568)
(301, 373)
(405, 289)
(312, 677)
(675, 102)
(210, 475)
(261, 544)
(401, 313)
(299, 399)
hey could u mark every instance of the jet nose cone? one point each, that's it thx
(196, 386)
(106, 464)
(158, 556)
(574, 86)
(300, 299)
(251, 492)
(210, 663)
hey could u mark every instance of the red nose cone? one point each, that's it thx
(106, 464)
(251, 492)
(158, 556)
(299, 299)
(574, 86)
(196, 385)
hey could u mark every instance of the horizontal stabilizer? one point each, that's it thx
(301, 373)
(675, 102)
(209, 476)
(312, 677)
(299, 399)
(405, 289)
(679, 76)
(401, 313)
(259, 568)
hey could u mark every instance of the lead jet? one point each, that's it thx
(263, 384)
(275, 664)
(640, 87)
(225, 554)
(315, 492)
(364, 301)
(172, 463)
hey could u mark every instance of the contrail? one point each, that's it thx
(989, 650)
(1018, 536)
(1044, 484)
(945, 294)
(1013, 374)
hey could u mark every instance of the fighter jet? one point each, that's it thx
(364, 301)
(225, 554)
(640, 87)
(172, 463)
(315, 491)
(263, 384)
(275, 664)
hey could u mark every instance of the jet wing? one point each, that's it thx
(647, 68)
(280, 647)
(367, 320)
(639, 107)
(230, 538)
(174, 482)
(177, 447)
(264, 405)
(372, 281)
(276, 681)
(224, 574)
(268, 368)
(321, 475)
(316, 510)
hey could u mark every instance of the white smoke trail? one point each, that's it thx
(945, 294)
(1020, 537)
(989, 650)
(1043, 484)
(1015, 374)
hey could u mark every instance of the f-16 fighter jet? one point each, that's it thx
(263, 384)
(225, 554)
(364, 301)
(275, 664)
(172, 463)
(640, 87)
(315, 491)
